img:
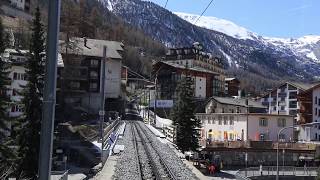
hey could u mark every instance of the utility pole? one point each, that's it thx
(155, 99)
(49, 97)
(102, 102)
(149, 107)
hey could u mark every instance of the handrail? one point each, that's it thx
(272, 171)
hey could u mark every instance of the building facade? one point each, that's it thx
(309, 102)
(21, 4)
(233, 105)
(82, 73)
(244, 126)
(232, 87)
(169, 75)
(283, 100)
(17, 59)
(195, 57)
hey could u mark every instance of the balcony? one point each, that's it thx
(282, 112)
(282, 103)
(282, 94)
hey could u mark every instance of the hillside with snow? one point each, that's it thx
(241, 50)
(307, 46)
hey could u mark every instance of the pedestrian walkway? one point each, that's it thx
(108, 169)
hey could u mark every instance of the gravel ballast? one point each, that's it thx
(127, 164)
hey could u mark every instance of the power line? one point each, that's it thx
(203, 12)
(166, 4)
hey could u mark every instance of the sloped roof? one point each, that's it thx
(301, 86)
(238, 102)
(195, 68)
(94, 47)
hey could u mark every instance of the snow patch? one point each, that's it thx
(228, 57)
(220, 25)
(312, 56)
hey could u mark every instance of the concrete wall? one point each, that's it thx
(113, 78)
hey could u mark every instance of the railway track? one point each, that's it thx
(150, 164)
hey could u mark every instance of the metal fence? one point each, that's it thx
(245, 174)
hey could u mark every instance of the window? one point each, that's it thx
(281, 122)
(16, 108)
(93, 74)
(93, 86)
(282, 137)
(319, 112)
(94, 63)
(238, 110)
(231, 120)
(220, 119)
(263, 122)
(282, 108)
(14, 92)
(75, 84)
(319, 101)
(262, 137)
(316, 100)
(293, 104)
(274, 108)
(19, 76)
(225, 120)
(316, 111)
(282, 99)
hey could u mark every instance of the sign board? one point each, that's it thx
(162, 103)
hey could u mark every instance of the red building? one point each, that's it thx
(232, 86)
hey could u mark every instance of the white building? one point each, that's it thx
(21, 4)
(232, 119)
(243, 126)
(17, 59)
(83, 72)
(283, 99)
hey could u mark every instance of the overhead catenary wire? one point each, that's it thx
(166, 4)
(204, 11)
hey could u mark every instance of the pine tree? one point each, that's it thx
(29, 133)
(183, 116)
(7, 154)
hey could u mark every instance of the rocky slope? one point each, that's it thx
(241, 49)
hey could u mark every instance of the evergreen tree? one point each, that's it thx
(7, 155)
(183, 116)
(29, 132)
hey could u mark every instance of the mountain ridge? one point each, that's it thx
(256, 55)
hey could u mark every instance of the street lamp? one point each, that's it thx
(294, 126)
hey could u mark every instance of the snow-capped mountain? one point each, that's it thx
(307, 46)
(240, 48)
(220, 25)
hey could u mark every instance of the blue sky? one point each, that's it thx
(273, 18)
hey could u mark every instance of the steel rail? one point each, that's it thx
(135, 144)
(170, 174)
